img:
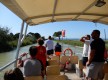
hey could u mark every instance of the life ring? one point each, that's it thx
(68, 49)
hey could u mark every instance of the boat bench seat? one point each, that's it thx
(52, 62)
(56, 77)
(79, 68)
(64, 59)
(74, 59)
(79, 65)
(53, 70)
(68, 59)
(33, 78)
(53, 73)
(55, 58)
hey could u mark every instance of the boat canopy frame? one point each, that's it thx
(39, 11)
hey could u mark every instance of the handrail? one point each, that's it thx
(4, 67)
(7, 65)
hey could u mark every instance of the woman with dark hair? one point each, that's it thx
(41, 54)
(15, 74)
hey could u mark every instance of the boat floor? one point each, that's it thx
(72, 75)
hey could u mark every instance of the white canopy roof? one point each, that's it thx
(36, 12)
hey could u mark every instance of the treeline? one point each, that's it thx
(8, 41)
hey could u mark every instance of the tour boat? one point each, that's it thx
(36, 12)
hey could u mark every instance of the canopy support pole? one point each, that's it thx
(19, 43)
(24, 33)
(54, 9)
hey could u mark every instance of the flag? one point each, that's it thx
(63, 33)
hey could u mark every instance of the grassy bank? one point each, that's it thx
(77, 42)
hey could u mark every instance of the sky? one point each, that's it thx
(74, 29)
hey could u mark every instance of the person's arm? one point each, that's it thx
(45, 43)
(20, 63)
(90, 58)
(82, 39)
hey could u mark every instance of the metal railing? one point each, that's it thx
(12, 62)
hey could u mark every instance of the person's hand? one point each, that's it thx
(87, 63)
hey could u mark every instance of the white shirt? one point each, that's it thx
(86, 48)
(49, 44)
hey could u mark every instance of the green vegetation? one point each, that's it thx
(71, 42)
(57, 34)
(77, 42)
(8, 41)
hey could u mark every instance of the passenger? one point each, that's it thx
(96, 58)
(15, 74)
(58, 49)
(41, 55)
(86, 41)
(32, 66)
(50, 46)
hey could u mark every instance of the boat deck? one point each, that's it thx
(72, 75)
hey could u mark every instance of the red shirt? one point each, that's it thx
(41, 55)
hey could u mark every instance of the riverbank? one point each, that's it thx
(77, 42)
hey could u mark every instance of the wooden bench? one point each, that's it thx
(33, 78)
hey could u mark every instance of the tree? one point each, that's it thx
(4, 38)
(43, 37)
(34, 36)
(57, 34)
(37, 35)
(30, 34)
(11, 37)
(16, 36)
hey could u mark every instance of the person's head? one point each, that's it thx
(88, 37)
(57, 43)
(15, 74)
(40, 41)
(49, 37)
(33, 51)
(95, 34)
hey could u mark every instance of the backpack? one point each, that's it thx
(58, 48)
